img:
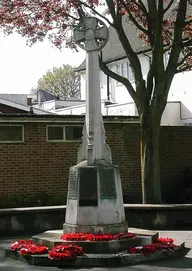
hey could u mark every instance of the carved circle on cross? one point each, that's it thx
(91, 34)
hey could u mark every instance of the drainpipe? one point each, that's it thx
(108, 91)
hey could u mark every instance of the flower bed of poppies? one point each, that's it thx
(97, 237)
(161, 244)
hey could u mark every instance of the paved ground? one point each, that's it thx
(184, 263)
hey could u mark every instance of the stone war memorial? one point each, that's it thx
(94, 202)
(95, 232)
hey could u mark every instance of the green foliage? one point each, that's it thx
(62, 81)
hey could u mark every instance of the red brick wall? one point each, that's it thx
(36, 166)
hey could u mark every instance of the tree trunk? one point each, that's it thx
(150, 167)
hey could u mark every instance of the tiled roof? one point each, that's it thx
(46, 96)
(17, 98)
(23, 107)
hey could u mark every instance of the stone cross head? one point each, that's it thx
(91, 34)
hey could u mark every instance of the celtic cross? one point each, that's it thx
(91, 35)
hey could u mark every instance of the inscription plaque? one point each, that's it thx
(107, 184)
(88, 187)
(72, 186)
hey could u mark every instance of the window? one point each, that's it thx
(73, 132)
(55, 133)
(64, 133)
(124, 69)
(118, 69)
(130, 73)
(11, 133)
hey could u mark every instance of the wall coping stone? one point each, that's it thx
(127, 206)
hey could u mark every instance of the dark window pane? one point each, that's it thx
(55, 133)
(73, 132)
(11, 133)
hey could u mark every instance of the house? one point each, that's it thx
(10, 107)
(178, 110)
(114, 56)
(33, 103)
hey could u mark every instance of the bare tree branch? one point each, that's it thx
(96, 12)
(111, 8)
(157, 67)
(132, 18)
(177, 41)
(184, 59)
(187, 43)
(177, 46)
(140, 5)
(131, 55)
(188, 22)
(168, 6)
(184, 69)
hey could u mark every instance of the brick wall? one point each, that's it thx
(37, 166)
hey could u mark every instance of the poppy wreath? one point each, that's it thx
(97, 237)
(68, 252)
(160, 245)
(17, 245)
(33, 249)
(165, 241)
(26, 247)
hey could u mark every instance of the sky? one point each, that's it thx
(21, 66)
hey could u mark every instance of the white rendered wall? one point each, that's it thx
(118, 93)
(171, 114)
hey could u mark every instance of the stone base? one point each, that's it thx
(99, 260)
(91, 259)
(111, 228)
(52, 238)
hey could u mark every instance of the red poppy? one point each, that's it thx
(32, 249)
(96, 237)
(17, 245)
(67, 252)
(26, 247)
(161, 244)
(165, 241)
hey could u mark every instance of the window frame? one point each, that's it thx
(128, 71)
(54, 140)
(64, 133)
(13, 141)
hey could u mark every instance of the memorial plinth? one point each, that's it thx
(95, 203)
